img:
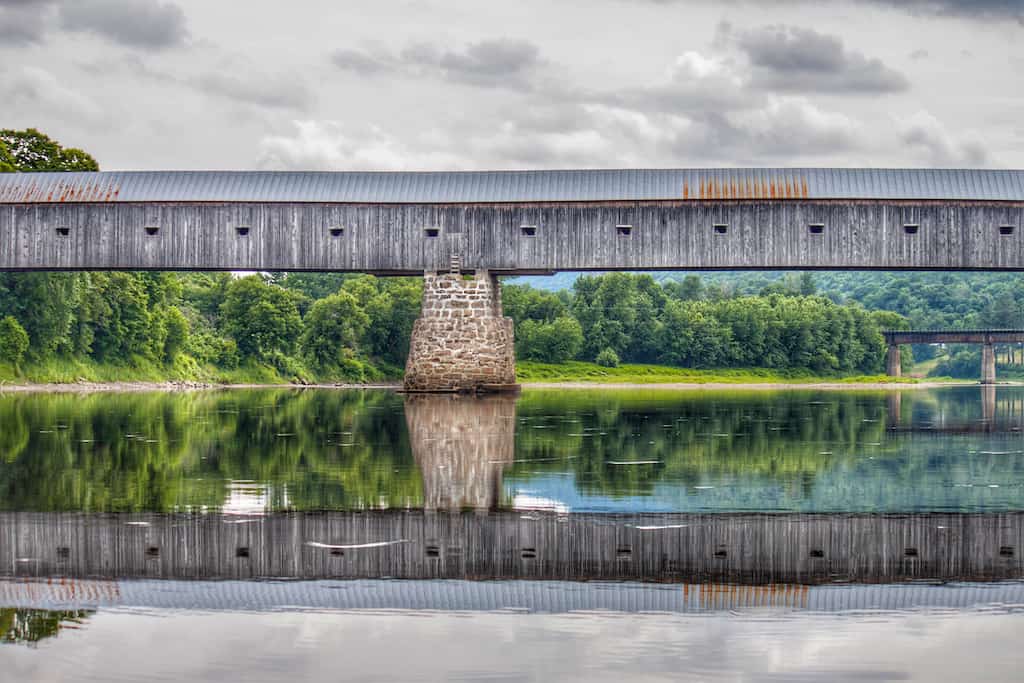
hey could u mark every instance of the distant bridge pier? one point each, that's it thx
(462, 341)
(893, 368)
(988, 364)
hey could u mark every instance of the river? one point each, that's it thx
(559, 534)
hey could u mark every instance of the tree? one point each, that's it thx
(177, 333)
(45, 304)
(6, 160)
(13, 341)
(261, 318)
(33, 151)
(332, 326)
(555, 342)
(608, 358)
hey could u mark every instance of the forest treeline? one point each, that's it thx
(330, 326)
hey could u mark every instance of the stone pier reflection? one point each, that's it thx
(1003, 415)
(461, 444)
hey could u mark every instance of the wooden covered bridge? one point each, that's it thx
(443, 225)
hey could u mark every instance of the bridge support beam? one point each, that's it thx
(892, 361)
(462, 341)
(988, 364)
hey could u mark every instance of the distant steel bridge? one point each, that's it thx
(987, 339)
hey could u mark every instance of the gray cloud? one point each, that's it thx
(148, 24)
(972, 9)
(499, 63)
(794, 59)
(362, 62)
(966, 9)
(926, 135)
(24, 22)
(287, 92)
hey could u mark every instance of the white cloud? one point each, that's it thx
(32, 88)
(928, 138)
(330, 146)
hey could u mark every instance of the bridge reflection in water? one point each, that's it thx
(534, 559)
(1003, 415)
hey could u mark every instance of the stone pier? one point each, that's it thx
(462, 341)
(988, 364)
(893, 368)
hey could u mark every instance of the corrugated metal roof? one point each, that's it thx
(511, 186)
(531, 596)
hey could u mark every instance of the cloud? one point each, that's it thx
(147, 24)
(499, 63)
(794, 59)
(982, 10)
(971, 9)
(695, 83)
(39, 91)
(362, 62)
(280, 91)
(926, 136)
(23, 22)
(330, 146)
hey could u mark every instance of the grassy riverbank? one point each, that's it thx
(578, 371)
(184, 369)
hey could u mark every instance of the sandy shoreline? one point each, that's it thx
(93, 387)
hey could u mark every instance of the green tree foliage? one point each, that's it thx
(262, 318)
(549, 342)
(334, 326)
(177, 333)
(7, 164)
(13, 341)
(608, 359)
(45, 305)
(33, 151)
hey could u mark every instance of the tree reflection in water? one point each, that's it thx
(30, 626)
(280, 449)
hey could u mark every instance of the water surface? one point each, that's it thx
(558, 535)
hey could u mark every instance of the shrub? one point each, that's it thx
(608, 358)
(13, 340)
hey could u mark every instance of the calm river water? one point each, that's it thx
(558, 535)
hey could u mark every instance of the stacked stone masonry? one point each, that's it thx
(461, 342)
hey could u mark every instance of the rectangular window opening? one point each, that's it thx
(337, 232)
(529, 553)
(1006, 229)
(910, 552)
(431, 232)
(242, 230)
(911, 228)
(818, 554)
(528, 230)
(63, 232)
(721, 228)
(623, 230)
(1006, 551)
(816, 228)
(152, 230)
(242, 551)
(152, 551)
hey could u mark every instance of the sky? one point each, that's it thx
(469, 84)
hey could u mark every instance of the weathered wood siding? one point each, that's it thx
(393, 238)
(737, 548)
